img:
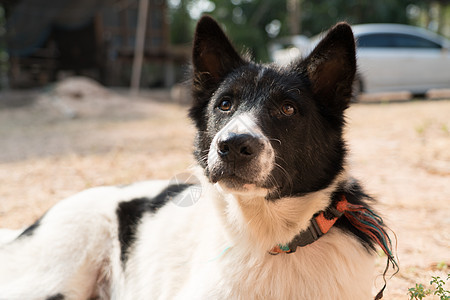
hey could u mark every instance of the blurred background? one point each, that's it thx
(68, 121)
(117, 43)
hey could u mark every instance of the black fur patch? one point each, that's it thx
(56, 297)
(130, 213)
(31, 229)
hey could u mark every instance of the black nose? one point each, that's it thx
(239, 147)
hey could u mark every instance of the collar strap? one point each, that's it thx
(362, 218)
(319, 225)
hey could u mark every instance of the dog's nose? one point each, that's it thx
(239, 147)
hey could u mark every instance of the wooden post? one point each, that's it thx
(294, 17)
(139, 47)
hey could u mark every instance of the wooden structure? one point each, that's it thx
(102, 48)
(119, 23)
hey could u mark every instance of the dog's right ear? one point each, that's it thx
(331, 68)
(213, 56)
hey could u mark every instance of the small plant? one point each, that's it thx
(445, 129)
(440, 290)
(419, 291)
(423, 127)
(441, 266)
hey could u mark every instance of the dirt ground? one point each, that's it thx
(76, 135)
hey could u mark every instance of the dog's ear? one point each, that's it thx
(213, 55)
(331, 68)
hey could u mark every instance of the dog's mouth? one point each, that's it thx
(219, 174)
(234, 180)
(236, 183)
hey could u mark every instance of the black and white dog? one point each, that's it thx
(278, 216)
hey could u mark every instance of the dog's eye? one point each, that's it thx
(288, 109)
(225, 104)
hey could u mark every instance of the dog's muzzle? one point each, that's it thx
(240, 154)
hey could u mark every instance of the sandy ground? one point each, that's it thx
(57, 142)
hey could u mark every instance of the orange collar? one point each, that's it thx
(361, 217)
(319, 225)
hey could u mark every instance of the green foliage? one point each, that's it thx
(440, 289)
(245, 21)
(419, 291)
(248, 22)
(319, 15)
(181, 25)
(3, 52)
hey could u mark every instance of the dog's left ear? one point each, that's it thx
(331, 68)
(213, 55)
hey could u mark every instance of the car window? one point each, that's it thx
(395, 40)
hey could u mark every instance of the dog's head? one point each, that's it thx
(270, 128)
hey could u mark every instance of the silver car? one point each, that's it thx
(391, 57)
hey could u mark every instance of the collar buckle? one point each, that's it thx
(309, 236)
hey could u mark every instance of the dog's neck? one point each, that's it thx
(319, 225)
(258, 223)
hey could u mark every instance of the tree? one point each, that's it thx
(318, 15)
(181, 24)
(252, 24)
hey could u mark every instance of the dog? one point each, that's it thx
(273, 212)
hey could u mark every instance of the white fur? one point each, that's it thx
(193, 265)
(8, 235)
(216, 249)
(73, 251)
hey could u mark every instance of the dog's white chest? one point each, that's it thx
(303, 275)
(195, 262)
